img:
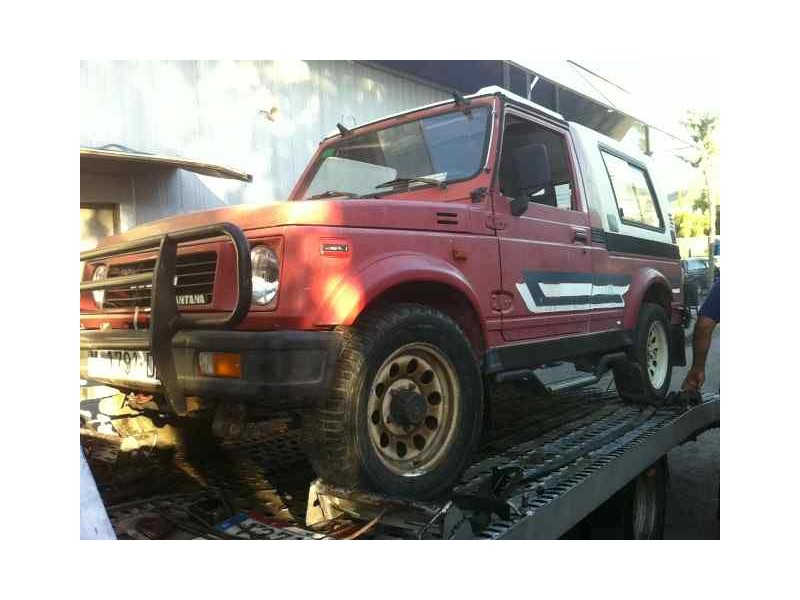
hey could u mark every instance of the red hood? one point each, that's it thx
(379, 213)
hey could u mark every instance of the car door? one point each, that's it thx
(546, 266)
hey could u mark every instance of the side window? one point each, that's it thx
(633, 192)
(524, 172)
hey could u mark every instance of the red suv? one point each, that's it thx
(419, 259)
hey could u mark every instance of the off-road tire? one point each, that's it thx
(335, 435)
(631, 378)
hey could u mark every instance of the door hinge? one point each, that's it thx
(496, 222)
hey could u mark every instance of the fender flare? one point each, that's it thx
(356, 291)
(642, 282)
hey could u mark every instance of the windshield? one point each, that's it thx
(434, 150)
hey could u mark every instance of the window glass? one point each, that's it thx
(557, 191)
(455, 142)
(563, 196)
(447, 147)
(634, 200)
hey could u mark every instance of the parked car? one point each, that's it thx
(419, 259)
(695, 279)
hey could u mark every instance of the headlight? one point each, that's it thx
(265, 274)
(100, 272)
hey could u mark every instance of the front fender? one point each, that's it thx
(356, 290)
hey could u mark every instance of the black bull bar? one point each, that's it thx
(165, 320)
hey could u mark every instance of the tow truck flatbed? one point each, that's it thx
(535, 477)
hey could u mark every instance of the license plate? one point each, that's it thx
(128, 365)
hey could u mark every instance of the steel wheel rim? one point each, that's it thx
(644, 507)
(416, 448)
(657, 354)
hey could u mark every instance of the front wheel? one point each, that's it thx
(646, 375)
(405, 413)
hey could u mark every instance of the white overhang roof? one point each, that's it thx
(128, 161)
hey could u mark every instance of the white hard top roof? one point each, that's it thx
(588, 133)
(496, 89)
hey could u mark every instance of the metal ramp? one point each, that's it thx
(563, 475)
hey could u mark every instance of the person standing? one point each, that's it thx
(707, 321)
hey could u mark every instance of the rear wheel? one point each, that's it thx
(646, 503)
(636, 512)
(405, 413)
(645, 377)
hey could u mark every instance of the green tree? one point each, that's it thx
(689, 223)
(702, 129)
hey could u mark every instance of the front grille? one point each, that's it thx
(194, 282)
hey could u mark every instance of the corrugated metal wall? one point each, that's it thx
(211, 111)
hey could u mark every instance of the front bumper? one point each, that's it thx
(280, 369)
(166, 322)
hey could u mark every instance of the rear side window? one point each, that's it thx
(633, 192)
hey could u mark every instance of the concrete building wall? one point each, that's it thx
(212, 110)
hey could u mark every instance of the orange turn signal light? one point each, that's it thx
(220, 364)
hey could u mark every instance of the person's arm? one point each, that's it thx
(701, 342)
(707, 320)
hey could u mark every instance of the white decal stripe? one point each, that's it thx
(606, 290)
(573, 307)
(555, 290)
(561, 308)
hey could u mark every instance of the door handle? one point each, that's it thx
(579, 235)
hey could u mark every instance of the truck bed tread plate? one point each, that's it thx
(266, 468)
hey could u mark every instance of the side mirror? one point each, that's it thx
(531, 173)
(518, 205)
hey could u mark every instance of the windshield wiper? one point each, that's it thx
(442, 184)
(333, 194)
